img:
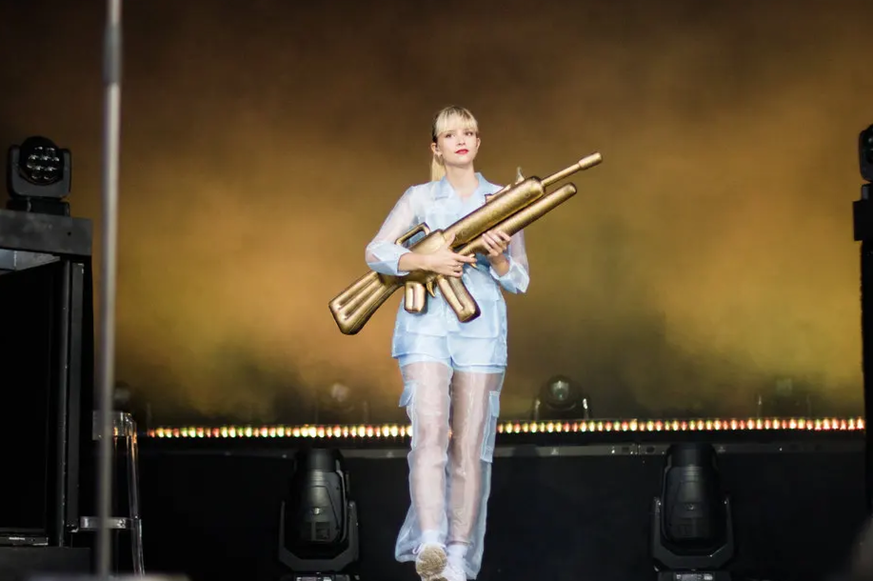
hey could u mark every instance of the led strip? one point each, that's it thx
(509, 427)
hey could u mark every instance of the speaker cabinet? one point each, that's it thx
(46, 379)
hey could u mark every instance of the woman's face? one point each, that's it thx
(457, 145)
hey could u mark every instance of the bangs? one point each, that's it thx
(454, 118)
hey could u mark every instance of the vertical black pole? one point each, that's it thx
(61, 405)
(80, 360)
(106, 379)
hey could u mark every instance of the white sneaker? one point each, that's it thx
(430, 562)
(453, 572)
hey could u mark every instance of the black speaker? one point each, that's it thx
(46, 366)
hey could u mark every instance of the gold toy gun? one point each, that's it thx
(509, 210)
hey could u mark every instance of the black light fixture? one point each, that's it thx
(862, 214)
(692, 526)
(560, 398)
(339, 404)
(38, 177)
(318, 524)
(865, 153)
(786, 398)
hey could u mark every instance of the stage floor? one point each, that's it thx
(562, 509)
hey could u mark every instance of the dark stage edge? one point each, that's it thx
(559, 510)
(22, 563)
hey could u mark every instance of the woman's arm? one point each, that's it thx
(385, 256)
(510, 268)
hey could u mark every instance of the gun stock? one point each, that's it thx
(354, 306)
(509, 210)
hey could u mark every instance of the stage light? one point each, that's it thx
(785, 399)
(340, 404)
(865, 153)
(692, 526)
(561, 399)
(38, 177)
(318, 524)
(862, 214)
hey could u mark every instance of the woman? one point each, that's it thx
(452, 371)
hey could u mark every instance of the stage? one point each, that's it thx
(568, 502)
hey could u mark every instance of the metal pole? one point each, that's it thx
(112, 129)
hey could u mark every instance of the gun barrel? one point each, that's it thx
(525, 217)
(486, 217)
(586, 162)
(509, 210)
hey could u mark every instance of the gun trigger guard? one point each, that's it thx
(419, 228)
(430, 289)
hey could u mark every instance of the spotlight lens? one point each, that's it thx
(42, 164)
(560, 391)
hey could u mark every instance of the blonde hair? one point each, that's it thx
(444, 119)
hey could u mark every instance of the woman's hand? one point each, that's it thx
(496, 244)
(446, 262)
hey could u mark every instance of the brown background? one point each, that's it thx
(264, 142)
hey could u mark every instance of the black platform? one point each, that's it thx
(22, 563)
(46, 357)
(573, 509)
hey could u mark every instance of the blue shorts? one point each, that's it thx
(450, 363)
